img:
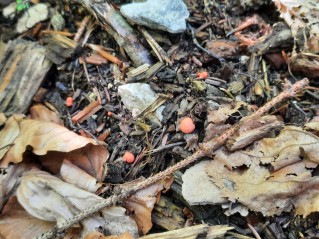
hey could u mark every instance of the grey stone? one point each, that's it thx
(198, 189)
(58, 22)
(32, 16)
(166, 15)
(136, 97)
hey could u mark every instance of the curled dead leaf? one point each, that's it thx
(48, 198)
(41, 137)
(142, 203)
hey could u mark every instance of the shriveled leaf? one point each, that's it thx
(49, 198)
(289, 184)
(142, 203)
(269, 193)
(9, 133)
(10, 180)
(72, 174)
(42, 113)
(3, 118)
(281, 151)
(219, 116)
(98, 235)
(299, 14)
(15, 222)
(42, 137)
(90, 158)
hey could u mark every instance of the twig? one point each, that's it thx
(205, 150)
(254, 231)
(160, 53)
(81, 29)
(220, 59)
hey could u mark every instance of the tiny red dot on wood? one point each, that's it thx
(109, 114)
(128, 157)
(69, 101)
(202, 74)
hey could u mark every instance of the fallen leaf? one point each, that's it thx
(9, 133)
(280, 152)
(72, 174)
(269, 193)
(41, 137)
(98, 235)
(48, 198)
(10, 179)
(299, 14)
(42, 113)
(288, 184)
(142, 203)
(15, 222)
(220, 115)
(3, 118)
(91, 158)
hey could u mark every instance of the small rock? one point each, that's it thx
(205, 192)
(166, 15)
(10, 10)
(32, 16)
(58, 22)
(137, 97)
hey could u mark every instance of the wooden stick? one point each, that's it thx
(113, 22)
(205, 150)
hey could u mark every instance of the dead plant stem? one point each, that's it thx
(206, 149)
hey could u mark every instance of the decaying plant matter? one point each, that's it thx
(205, 150)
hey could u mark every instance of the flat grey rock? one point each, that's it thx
(32, 16)
(198, 189)
(136, 97)
(166, 15)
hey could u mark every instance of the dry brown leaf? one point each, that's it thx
(3, 118)
(98, 235)
(72, 174)
(49, 198)
(299, 14)
(15, 222)
(42, 137)
(142, 203)
(90, 158)
(10, 180)
(269, 193)
(281, 151)
(9, 133)
(220, 115)
(288, 184)
(42, 113)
